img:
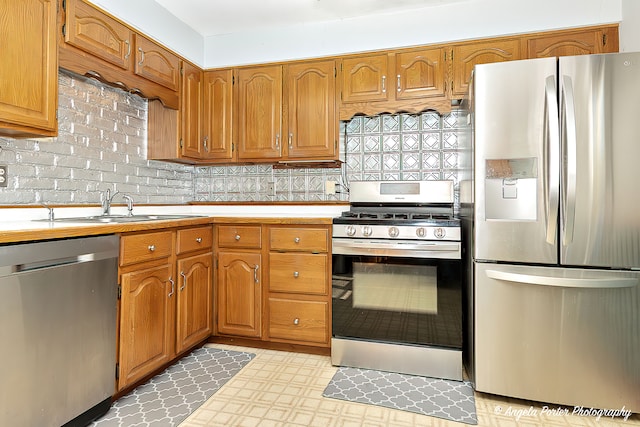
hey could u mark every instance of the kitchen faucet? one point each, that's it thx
(107, 199)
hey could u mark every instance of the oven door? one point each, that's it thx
(397, 296)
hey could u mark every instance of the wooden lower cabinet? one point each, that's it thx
(165, 307)
(300, 321)
(195, 300)
(239, 294)
(273, 283)
(146, 322)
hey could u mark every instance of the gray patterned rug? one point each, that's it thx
(451, 400)
(171, 396)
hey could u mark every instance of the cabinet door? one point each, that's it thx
(217, 115)
(146, 320)
(239, 290)
(195, 300)
(98, 34)
(190, 117)
(465, 57)
(29, 67)
(599, 40)
(260, 113)
(365, 78)
(420, 74)
(157, 64)
(311, 110)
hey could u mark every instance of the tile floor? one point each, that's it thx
(285, 389)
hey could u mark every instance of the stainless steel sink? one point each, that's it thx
(106, 219)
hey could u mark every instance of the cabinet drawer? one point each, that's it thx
(145, 247)
(299, 239)
(298, 273)
(193, 239)
(299, 320)
(232, 236)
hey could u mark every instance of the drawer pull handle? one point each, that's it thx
(237, 237)
(296, 240)
(296, 321)
(255, 273)
(199, 239)
(184, 280)
(173, 287)
(152, 248)
(296, 274)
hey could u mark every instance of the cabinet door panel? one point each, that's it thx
(365, 78)
(312, 123)
(465, 57)
(29, 65)
(239, 291)
(260, 113)
(145, 322)
(156, 63)
(576, 43)
(195, 300)
(218, 114)
(420, 74)
(98, 34)
(191, 101)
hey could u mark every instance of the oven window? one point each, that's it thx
(395, 287)
(400, 300)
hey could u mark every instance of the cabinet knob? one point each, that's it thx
(237, 237)
(296, 240)
(152, 248)
(199, 239)
(296, 274)
(296, 321)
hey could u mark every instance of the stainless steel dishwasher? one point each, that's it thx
(58, 331)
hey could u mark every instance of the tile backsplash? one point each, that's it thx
(102, 143)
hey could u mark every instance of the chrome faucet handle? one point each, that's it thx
(51, 216)
(129, 200)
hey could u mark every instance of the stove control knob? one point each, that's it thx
(367, 231)
(439, 233)
(421, 232)
(350, 230)
(393, 231)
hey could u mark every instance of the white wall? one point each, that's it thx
(464, 20)
(630, 26)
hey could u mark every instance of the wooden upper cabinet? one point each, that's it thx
(98, 34)
(365, 78)
(420, 74)
(259, 112)
(217, 117)
(312, 123)
(568, 43)
(156, 63)
(190, 111)
(466, 56)
(29, 68)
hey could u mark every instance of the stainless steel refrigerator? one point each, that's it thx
(555, 230)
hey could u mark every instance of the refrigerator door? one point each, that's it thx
(557, 335)
(600, 122)
(516, 164)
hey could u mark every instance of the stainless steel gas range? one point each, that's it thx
(397, 293)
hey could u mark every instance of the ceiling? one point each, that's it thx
(216, 17)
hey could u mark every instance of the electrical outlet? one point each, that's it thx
(271, 188)
(329, 187)
(4, 178)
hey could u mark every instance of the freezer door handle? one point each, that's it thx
(570, 144)
(552, 157)
(564, 282)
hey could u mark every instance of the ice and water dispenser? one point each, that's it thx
(510, 189)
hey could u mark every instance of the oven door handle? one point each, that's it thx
(395, 248)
